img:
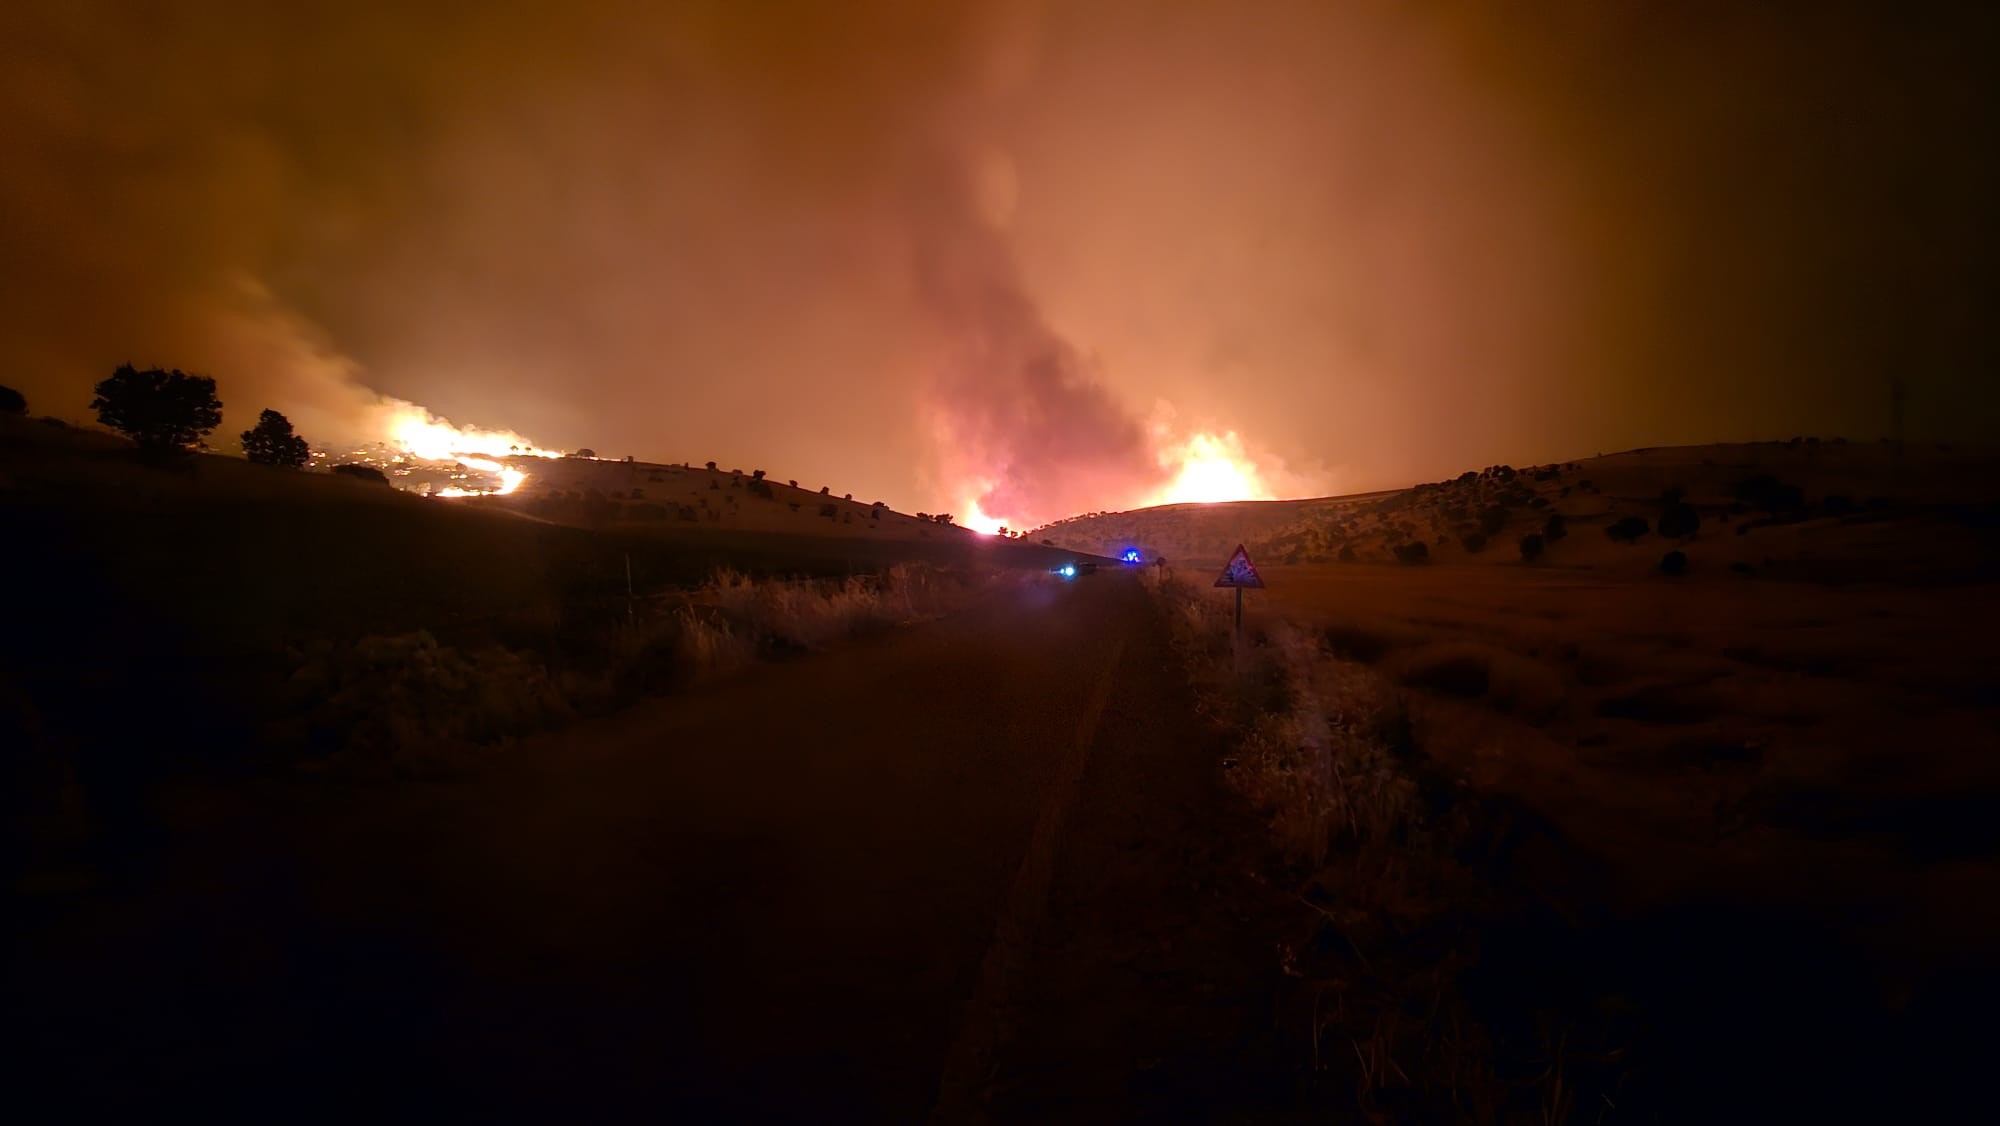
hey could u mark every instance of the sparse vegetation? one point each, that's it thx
(361, 473)
(1674, 563)
(12, 401)
(1412, 553)
(1531, 547)
(1473, 542)
(1679, 520)
(1555, 527)
(1627, 529)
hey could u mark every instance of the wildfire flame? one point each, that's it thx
(1210, 467)
(420, 434)
(1201, 468)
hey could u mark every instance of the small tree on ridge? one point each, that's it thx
(271, 442)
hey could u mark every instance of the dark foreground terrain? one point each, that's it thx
(979, 866)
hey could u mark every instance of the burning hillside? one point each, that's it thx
(423, 453)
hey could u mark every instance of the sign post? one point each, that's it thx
(1240, 574)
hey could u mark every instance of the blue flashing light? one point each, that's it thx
(1131, 555)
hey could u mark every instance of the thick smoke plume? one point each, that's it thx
(1022, 425)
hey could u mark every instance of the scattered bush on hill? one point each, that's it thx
(1473, 542)
(361, 473)
(1628, 529)
(1555, 527)
(1531, 547)
(12, 401)
(1769, 494)
(1674, 563)
(1412, 553)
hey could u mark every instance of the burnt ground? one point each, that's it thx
(977, 868)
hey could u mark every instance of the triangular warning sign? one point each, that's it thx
(1240, 572)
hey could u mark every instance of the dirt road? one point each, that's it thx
(977, 868)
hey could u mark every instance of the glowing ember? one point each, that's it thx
(422, 435)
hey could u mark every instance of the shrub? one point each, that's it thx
(1346, 553)
(825, 490)
(12, 401)
(1839, 504)
(164, 411)
(1679, 521)
(1555, 527)
(1412, 553)
(756, 475)
(1531, 547)
(586, 452)
(1628, 529)
(793, 483)
(1770, 494)
(829, 511)
(1674, 563)
(361, 473)
(1672, 495)
(1473, 542)
(762, 489)
(1492, 520)
(711, 467)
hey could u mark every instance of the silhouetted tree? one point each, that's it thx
(1555, 528)
(586, 453)
(12, 401)
(1412, 553)
(361, 473)
(164, 411)
(1473, 542)
(1531, 547)
(756, 474)
(271, 442)
(1674, 563)
(1492, 520)
(711, 466)
(825, 490)
(944, 517)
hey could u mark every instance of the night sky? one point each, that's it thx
(908, 249)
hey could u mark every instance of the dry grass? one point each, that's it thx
(1326, 751)
(408, 704)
